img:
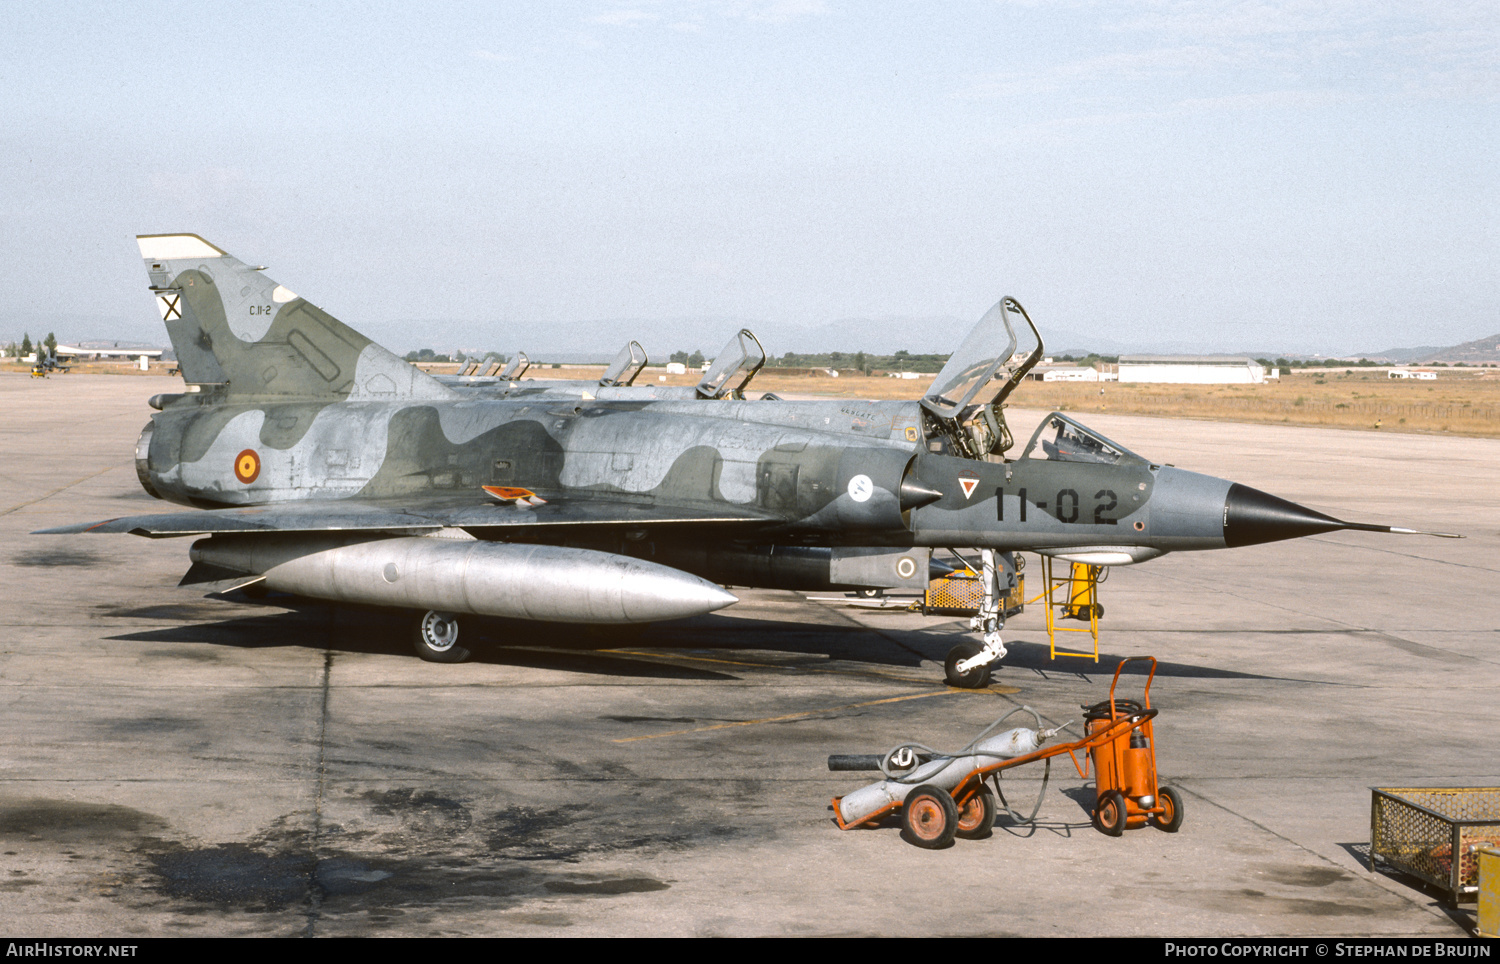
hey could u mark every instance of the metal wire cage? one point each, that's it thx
(1435, 833)
(959, 594)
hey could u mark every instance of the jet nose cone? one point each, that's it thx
(1252, 516)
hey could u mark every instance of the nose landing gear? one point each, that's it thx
(968, 664)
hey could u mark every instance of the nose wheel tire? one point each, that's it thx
(1110, 814)
(1170, 818)
(436, 638)
(974, 679)
(930, 817)
(977, 816)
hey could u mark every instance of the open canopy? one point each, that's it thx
(984, 367)
(734, 367)
(626, 366)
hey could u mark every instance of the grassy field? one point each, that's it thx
(1460, 402)
(1457, 404)
(113, 367)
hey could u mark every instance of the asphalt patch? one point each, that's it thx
(650, 719)
(257, 879)
(72, 821)
(180, 613)
(147, 725)
(609, 887)
(234, 874)
(1308, 876)
(52, 558)
(421, 812)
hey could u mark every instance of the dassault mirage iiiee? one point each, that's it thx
(322, 465)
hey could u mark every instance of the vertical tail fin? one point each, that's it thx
(232, 325)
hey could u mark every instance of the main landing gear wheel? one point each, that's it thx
(977, 816)
(1110, 814)
(974, 679)
(930, 817)
(436, 638)
(1170, 818)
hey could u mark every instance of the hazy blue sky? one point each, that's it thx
(1292, 175)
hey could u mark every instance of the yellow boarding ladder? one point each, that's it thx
(1080, 600)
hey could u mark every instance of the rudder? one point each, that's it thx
(231, 325)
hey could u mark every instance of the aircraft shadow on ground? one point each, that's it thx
(1037, 657)
(357, 632)
(581, 649)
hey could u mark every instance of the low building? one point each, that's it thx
(1067, 373)
(1194, 369)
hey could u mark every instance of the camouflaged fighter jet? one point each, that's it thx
(322, 465)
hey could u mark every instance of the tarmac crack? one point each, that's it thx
(1405, 555)
(834, 610)
(786, 717)
(1406, 645)
(780, 667)
(61, 488)
(314, 891)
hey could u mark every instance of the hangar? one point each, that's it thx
(1193, 369)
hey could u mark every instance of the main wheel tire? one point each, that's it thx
(436, 638)
(1110, 814)
(976, 678)
(976, 817)
(1170, 818)
(930, 817)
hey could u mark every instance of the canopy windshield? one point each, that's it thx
(627, 364)
(1060, 439)
(517, 366)
(734, 367)
(970, 369)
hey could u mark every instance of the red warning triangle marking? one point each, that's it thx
(969, 485)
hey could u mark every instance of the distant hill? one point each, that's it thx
(1402, 356)
(1472, 352)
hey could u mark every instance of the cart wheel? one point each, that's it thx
(1098, 610)
(1110, 814)
(977, 816)
(1170, 818)
(930, 817)
(976, 678)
